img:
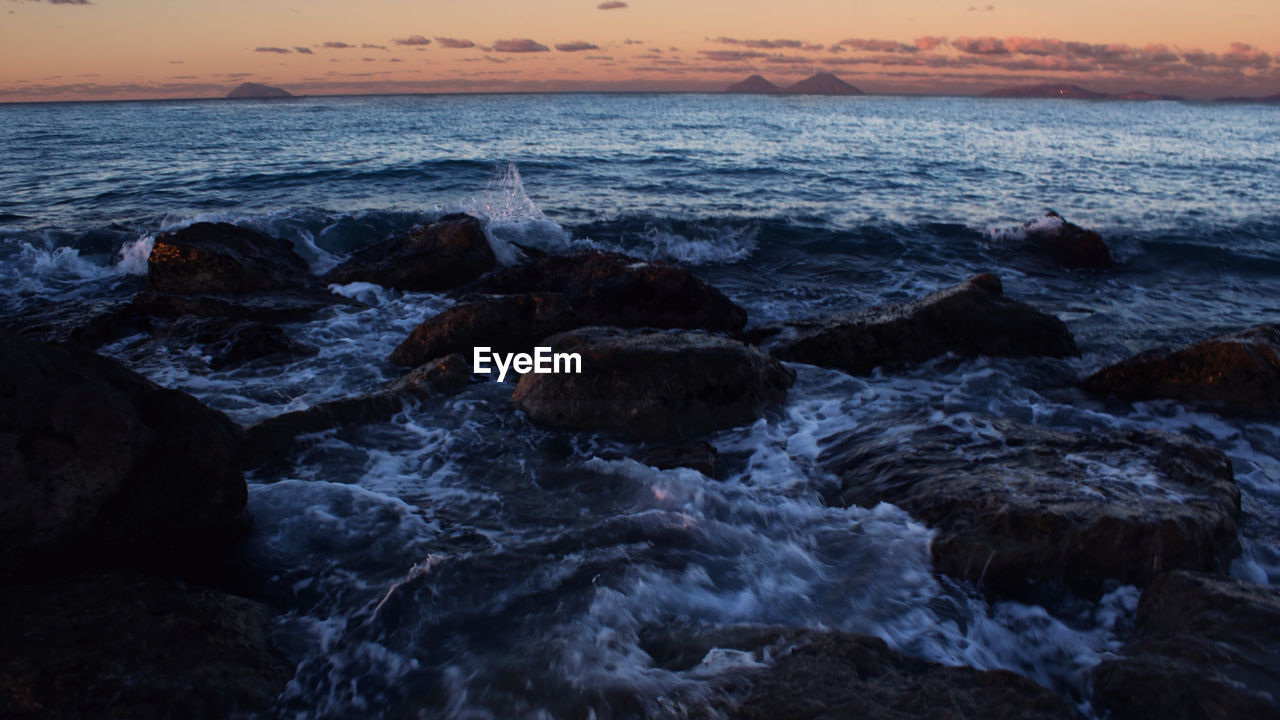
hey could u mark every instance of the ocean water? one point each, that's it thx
(458, 561)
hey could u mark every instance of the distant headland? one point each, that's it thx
(257, 91)
(820, 84)
(1071, 92)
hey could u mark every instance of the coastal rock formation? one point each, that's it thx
(822, 84)
(611, 289)
(669, 386)
(701, 456)
(224, 258)
(1205, 646)
(1239, 372)
(257, 91)
(441, 256)
(1047, 90)
(1013, 503)
(1068, 244)
(273, 439)
(835, 675)
(231, 342)
(753, 85)
(271, 306)
(124, 646)
(87, 323)
(503, 323)
(100, 467)
(972, 319)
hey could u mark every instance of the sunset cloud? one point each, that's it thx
(980, 46)
(576, 46)
(929, 42)
(877, 45)
(413, 40)
(613, 5)
(280, 50)
(371, 46)
(303, 50)
(731, 55)
(454, 43)
(763, 44)
(519, 45)
(337, 45)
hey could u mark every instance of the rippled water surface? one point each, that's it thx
(460, 561)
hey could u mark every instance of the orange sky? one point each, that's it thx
(117, 49)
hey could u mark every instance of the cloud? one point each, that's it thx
(337, 45)
(1243, 55)
(765, 44)
(576, 46)
(629, 41)
(980, 46)
(929, 42)
(612, 5)
(454, 43)
(731, 55)
(66, 2)
(519, 45)
(304, 50)
(989, 8)
(371, 46)
(413, 40)
(891, 46)
(282, 51)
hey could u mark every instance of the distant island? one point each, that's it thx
(1268, 99)
(820, 84)
(1071, 92)
(257, 91)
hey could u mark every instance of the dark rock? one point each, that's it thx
(972, 319)
(1013, 503)
(834, 675)
(236, 341)
(701, 456)
(1239, 372)
(224, 258)
(503, 323)
(441, 256)
(754, 85)
(273, 439)
(120, 646)
(612, 289)
(257, 91)
(822, 84)
(1205, 646)
(1068, 244)
(669, 386)
(87, 323)
(271, 307)
(100, 467)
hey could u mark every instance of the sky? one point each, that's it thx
(54, 50)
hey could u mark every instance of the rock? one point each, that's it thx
(1013, 503)
(822, 84)
(122, 646)
(99, 467)
(701, 456)
(1068, 244)
(972, 319)
(223, 258)
(669, 386)
(272, 440)
(87, 323)
(270, 307)
(257, 91)
(1239, 372)
(443, 255)
(232, 342)
(503, 323)
(1205, 646)
(834, 675)
(612, 289)
(754, 85)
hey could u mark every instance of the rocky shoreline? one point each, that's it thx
(125, 501)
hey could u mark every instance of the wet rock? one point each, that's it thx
(503, 323)
(972, 319)
(272, 440)
(1205, 646)
(612, 289)
(441, 256)
(271, 307)
(669, 386)
(1239, 372)
(1013, 503)
(232, 342)
(100, 467)
(1068, 244)
(701, 456)
(122, 646)
(87, 323)
(830, 675)
(224, 258)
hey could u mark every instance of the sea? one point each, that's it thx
(458, 561)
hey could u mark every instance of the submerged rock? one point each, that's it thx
(100, 467)
(1013, 503)
(1068, 244)
(701, 456)
(670, 386)
(503, 323)
(224, 258)
(972, 319)
(1205, 646)
(611, 289)
(87, 323)
(230, 342)
(271, 307)
(445, 254)
(1238, 372)
(835, 675)
(123, 646)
